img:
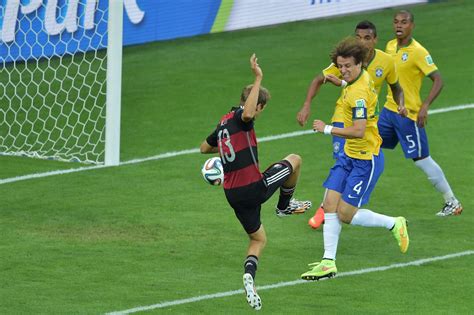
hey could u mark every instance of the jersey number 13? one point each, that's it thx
(228, 153)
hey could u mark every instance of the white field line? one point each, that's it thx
(190, 151)
(418, 262)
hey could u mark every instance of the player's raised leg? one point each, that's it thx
(287, 178)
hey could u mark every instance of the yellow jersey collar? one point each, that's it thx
(409, 43)
(356, 79)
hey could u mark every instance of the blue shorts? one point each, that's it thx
(338, 142)
(355, 179)
(394, 128)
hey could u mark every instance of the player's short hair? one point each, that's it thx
(349, 47)
(410, 15)
(367, 25)
(263, 95)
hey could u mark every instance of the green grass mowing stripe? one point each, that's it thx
(417, 262)
(191, 151)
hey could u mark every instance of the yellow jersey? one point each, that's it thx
(413, 63)
(359, 101)
(381, 68)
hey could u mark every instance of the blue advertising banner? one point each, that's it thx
(165, 19)
(32, 29)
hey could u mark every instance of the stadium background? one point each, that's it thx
(140, 234)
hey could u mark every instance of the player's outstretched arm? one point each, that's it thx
(335, 80)
(251, 103)
(313, 89)
(357, 130)
(207, 148)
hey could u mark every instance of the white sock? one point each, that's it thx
(368, 218)
(436, 177)
(331, 231)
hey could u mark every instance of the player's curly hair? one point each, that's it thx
(263, 95)
(349, 47)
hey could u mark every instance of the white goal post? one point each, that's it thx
(60, 79)
(114, 83)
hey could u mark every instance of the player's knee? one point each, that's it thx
(259, 236)
(260, 239)
(345, 217)
(295, 160)
(330, 204)
(346, 213)
(420, 158)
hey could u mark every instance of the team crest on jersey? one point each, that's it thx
(429, 60)
(405, 56)
(360, 103)
(378, 72)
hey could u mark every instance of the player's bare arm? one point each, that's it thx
(207, 148)
(250, 106)
(434, 92)
(305, 111)
(357, 130)
(333, 79)
(399, 98)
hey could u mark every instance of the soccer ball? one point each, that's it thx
(212, 171)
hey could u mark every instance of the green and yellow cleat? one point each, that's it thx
(400, 232)
(324, 269)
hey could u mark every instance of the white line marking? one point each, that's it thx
(191, 151)
(46, 174)
(450, 109)
(418, 262)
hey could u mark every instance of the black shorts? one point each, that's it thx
(247, 201)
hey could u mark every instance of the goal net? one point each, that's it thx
(54, 61)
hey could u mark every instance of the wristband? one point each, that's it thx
(327, 129)
(343, 83)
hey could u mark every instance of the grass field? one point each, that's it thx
(113, 239)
